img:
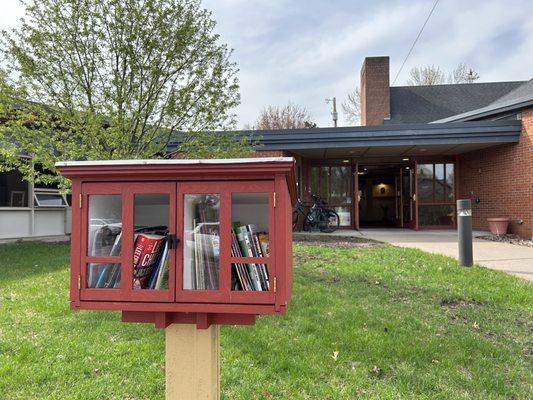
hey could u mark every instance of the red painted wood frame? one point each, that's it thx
(127, 193)
(175, 292)
(224, 294)
(275, 178)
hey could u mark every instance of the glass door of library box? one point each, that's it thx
(226, 231)
(128, 239)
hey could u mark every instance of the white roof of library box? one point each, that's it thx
(173, 161)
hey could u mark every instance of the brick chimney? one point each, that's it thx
(375, 90)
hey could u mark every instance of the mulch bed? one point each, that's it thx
(512, 239)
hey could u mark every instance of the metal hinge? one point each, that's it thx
(274, 199)
(275, 284)
(79, 282)
(81, 200)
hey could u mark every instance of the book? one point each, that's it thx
(263, 240)
(258, 251)
(157, 269)
(94, 272)
(147, 250)
(162, 278)
(246, 242)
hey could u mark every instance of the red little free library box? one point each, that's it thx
(182, 241)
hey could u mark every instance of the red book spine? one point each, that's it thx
(145, 255)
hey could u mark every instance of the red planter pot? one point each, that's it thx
(498, 226)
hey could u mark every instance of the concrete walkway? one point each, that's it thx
(514, 259)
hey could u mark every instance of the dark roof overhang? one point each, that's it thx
(388, 140)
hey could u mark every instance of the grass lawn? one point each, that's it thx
(380, 323)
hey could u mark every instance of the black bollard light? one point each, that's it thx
(464, 231)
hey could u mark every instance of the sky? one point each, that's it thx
(305, 51)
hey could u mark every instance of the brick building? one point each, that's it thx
(419, 149)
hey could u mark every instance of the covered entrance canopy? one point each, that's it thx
(403, 176)
(392, 140)
(416, 163)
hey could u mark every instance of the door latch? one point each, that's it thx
(172, 241)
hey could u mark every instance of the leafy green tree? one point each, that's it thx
(113, 79)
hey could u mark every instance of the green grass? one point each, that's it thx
(402, 324)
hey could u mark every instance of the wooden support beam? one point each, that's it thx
(192, 362)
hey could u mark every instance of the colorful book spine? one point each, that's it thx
(146, 253)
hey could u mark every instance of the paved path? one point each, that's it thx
(514, 259)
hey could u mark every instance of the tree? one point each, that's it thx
(351, 108)
(112, 79)
(429, 75)
(433, 75)
(463, 74)
(291, 116)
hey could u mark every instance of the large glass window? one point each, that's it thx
(450, 182)
(425, 182)
(340, 185)
(333, 185)
(436, 194)
(436, 214)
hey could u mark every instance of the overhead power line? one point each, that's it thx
(414, 43)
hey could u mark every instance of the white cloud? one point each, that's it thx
(306, 50)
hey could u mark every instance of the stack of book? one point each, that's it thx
(105, 275)
(246, 242)
(150, 262)
(204, 242)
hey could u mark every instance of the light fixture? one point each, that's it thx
(345, 161)
(405, 159)
(406, 167)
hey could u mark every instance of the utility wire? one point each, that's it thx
(414, 43)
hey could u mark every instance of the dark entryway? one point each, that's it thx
(386, 195)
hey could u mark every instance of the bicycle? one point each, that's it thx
(319, 217)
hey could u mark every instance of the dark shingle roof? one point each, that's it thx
(520, 97)
(422, 104)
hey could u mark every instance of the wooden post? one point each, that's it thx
(192, 362)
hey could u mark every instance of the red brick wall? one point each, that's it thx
(502, 178)
(375, 90)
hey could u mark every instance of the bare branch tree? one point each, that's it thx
(428, 75)
(433, 75)
(351, 108)
(463, 74)
(291, 116)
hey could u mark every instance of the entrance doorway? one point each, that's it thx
(386, 195)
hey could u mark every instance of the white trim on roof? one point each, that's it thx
(172, 162)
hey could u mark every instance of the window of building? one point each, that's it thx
(13, 190)
(333, 185)
(436, 194)
(49, 198)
